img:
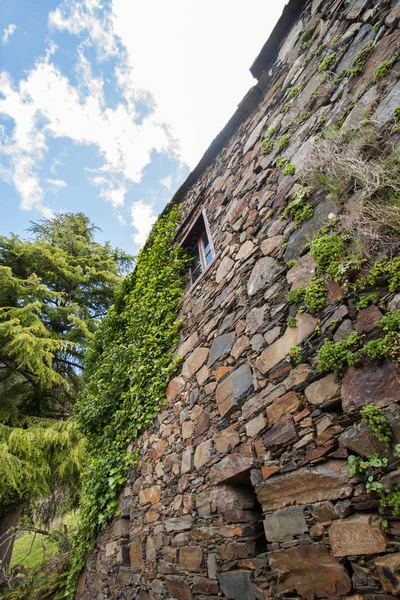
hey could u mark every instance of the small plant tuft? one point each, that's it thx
(327, 62)
(289, 169)
(376, 421)
(284, 141)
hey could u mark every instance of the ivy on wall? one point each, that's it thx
(128, 365)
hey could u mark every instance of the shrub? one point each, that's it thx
(315, 295)
(376, 421)
(289, 169)
(284, 141)
(299, 208)
(360, 60)
(383, 69)
(327, 62)
(295, 296)
(266, 146)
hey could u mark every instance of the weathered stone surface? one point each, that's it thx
(152, 495)
(282, 432)
(361, 440)
(240, 346)
(225, 267)
(355, 8)
(359, 534)
(302, 272)
(284, 524)
(328, 481)
(297, 375)
(179, 523)
(187, 460)
(323, 390)
(343, 331)
(262, 274)
(376, 382)
(190, 558)
(392, 414)
(174, 388)
(362, 108)
(221, 345)
(255, 319)
(367, 317)
(388, 569)
(271, 244)
(178, 588)
(136, 553)
(245, 250)
(386, 108)
(293, 336)
(194, 362)
(311, 571)
(283, 406)
(226, 440)
(202, 454)
(236, 585)
(188, 345)
(255, 425)
(233, 464)
(301, 238)
(233, 388)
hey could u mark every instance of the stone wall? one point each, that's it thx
(242, 490)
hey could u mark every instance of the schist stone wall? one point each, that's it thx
(242, 490)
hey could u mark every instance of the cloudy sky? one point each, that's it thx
(106, 105)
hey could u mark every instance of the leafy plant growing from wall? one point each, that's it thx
(127, 367)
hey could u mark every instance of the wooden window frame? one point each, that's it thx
(201, 214)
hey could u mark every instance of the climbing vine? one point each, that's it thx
(127, 368)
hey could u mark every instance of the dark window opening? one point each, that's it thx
(199, 245)
(241, 505)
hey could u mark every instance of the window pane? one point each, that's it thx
(207, 248)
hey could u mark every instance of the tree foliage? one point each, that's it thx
(54, 289)
(35, 460)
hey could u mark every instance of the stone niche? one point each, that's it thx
(242, 490)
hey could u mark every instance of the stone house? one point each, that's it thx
(242, 490)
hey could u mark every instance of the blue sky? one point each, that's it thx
(106, 105)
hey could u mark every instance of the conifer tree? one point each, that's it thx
(55, 287)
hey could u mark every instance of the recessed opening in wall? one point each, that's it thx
(238, 502)
(199, 244)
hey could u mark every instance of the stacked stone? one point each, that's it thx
(242, 490)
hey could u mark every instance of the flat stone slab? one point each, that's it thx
(284, 524)
(262, 275)
(311, 571)
(236, 585)
(360, 534)
(293, 336)
(375, 382)
(221, 345)
(307, 485)
(233, 388)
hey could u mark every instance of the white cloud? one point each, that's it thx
(46, 105)
(167, 182)
(187, 69)
(56, 184)
(7, 32)
(76, 16)
(191, 68)
(143, 218)
(115, 195)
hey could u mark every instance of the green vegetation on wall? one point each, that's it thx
(128, 365)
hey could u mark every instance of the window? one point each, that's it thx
(199, 244)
